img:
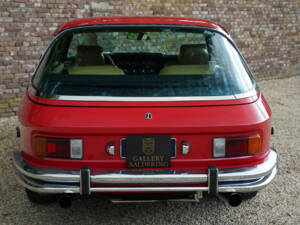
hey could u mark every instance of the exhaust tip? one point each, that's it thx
(65, 201)
(235, 199)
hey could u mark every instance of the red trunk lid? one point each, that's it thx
(99, 125)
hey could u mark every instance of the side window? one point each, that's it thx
(39, 73)
(72, 52)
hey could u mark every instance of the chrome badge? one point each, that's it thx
(148, 146)
(148, 116)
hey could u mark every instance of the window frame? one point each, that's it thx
(249, 93)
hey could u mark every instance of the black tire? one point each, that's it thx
(248, 195)
(37, 198)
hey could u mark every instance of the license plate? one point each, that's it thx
(148, 151)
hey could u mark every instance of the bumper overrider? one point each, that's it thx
(86, 181)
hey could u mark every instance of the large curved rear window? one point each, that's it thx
(141, 62)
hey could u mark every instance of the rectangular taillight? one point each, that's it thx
(236, 146)
(219, 145)
(76, 148)
(64, 148)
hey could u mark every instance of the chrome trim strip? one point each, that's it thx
(252, 172)
(251, 186)
(247, 94)
(133, 201)
(140, 99)
(47, 180)
(151, 201)
(181, 178)
(56, 190)
(48, 174)
(124, 177)
(45, 174)
(198, 195)
(250, 93)
(45, 189)
(149, 189)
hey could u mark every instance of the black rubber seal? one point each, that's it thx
(85, 180)
(213, 180)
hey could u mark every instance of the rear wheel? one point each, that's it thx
(38, 198)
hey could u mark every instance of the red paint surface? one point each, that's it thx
(197, 124)
(138, 20)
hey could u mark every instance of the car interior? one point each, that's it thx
(90, 60)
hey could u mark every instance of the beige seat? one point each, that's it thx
(192, 60)
(89, 62)
(185, 70)
(95, 70)
(193, 54)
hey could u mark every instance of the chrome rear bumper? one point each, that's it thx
(49, 180)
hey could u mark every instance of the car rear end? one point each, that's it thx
(157, 110)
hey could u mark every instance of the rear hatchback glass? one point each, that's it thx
(141, 62)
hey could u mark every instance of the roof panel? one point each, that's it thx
(137, 20)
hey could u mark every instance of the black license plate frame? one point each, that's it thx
(148, 151)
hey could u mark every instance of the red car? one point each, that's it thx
(143, 108)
